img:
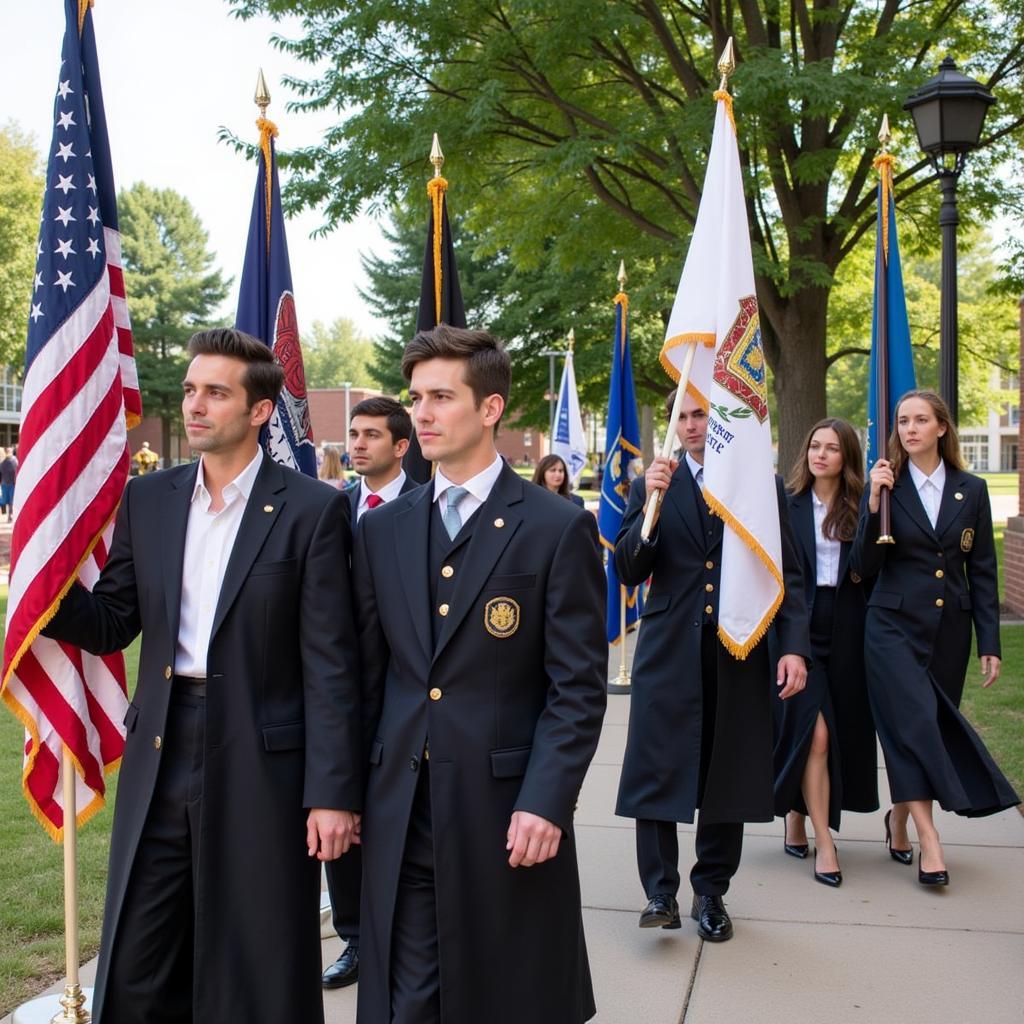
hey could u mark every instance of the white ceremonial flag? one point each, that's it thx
(569, 441)
(716, 309)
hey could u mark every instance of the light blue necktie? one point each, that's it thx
(451, 518)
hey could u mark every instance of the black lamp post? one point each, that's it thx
(949, 111)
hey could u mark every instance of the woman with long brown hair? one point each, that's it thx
(824, 737)
(331, 470)
(551, 473)
(938, 578)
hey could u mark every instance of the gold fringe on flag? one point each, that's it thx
(83, 6)
(436, 189)
(723, 95)
(268, 131)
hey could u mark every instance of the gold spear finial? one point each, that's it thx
(622, 275)
(726, 64)
(572, 339)
(262, 97)
(436, 156)
(884, 135)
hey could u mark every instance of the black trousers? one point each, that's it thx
(150, 978)
(415, 970)
(719, 845)
(344, 882)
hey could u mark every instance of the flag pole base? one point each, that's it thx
(621, 683)
(886, 539)
(54, 1010)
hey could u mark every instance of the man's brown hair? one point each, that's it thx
(488, 369)
(263, 377)
(399, 421)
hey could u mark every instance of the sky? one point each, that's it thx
(173, 73)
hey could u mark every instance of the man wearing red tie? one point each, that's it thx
(378, 438)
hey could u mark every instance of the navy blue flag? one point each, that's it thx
(622, 464)
(266, 310)
(899, 356)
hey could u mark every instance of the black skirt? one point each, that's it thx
(842, 702)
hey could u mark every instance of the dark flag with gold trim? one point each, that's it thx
(622, 462)
(440, 295)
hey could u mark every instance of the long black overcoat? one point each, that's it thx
(931, 585)
(513, 724)
(661, 771)
(835, 687)
(282, 728)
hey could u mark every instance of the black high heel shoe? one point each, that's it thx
(798, 850)
(931, 877)
(900, 856)
(830, 878)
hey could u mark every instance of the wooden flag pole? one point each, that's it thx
(654, 498)
(623, 676)
(73, 999)
(882, 355)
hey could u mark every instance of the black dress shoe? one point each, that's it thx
(795, 849)
(900, 856)
(661, 912)
(832, 878)
(713, 922)
(931, 877)
(345, 970)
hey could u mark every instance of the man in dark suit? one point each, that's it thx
(480, 604)
(378, 438)
(242, 766)
(700, 723)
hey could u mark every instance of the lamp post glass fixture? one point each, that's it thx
(949, 111)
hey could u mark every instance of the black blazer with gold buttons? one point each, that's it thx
(934, 582)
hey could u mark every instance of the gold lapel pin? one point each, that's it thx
(499, 522)
(958, 496)
(268, 508)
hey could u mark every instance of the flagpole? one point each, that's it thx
(622, 680)
(882, 355)
(73, 1000)
(726, 66)
(654, 501)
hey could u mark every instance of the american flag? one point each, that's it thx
(80, 396)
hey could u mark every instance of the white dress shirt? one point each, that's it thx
(826, 549)
(390, 490)
(209, 538)
(478, 488)
(930, 489)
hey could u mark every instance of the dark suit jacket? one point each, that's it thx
(934, 581)
(353, 490)
(282, 719)
(665, 773)
(513, 720)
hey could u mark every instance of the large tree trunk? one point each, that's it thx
(798, 369)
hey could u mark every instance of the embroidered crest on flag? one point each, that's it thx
(740, 365)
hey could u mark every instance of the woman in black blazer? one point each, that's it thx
(552, 474)
(824, 756)
(938, 578)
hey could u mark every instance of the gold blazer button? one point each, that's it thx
(435, 694)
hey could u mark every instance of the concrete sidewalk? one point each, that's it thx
(879, 949)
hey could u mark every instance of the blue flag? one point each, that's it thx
(266, 310)
(900, 359)
(622, 464)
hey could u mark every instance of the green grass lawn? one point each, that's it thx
(32, 874)
(1001, 483)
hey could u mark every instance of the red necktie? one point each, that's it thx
(374, 500)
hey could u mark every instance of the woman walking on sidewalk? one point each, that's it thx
(824, 737)
(938, 578)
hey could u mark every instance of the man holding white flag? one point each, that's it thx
(724, 569)
(569, 441)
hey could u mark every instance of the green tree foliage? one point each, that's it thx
(580, 132)
(530, 307)
(335, 353)
(21, 190)
(989, 335)
(173, 290)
